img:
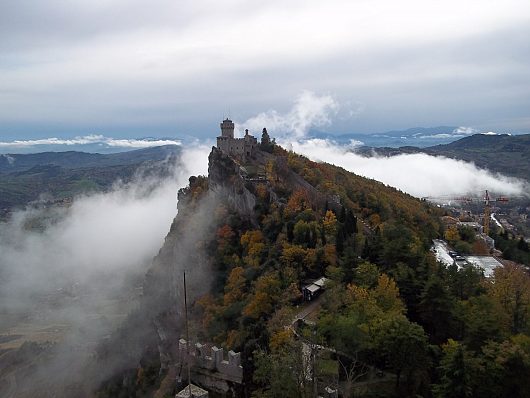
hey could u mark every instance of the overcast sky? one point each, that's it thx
(130, 68)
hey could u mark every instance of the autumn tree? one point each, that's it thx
(225, 237)
(234, 287)
(510, 286)
(298, 202)
(254, 247)
(329, 223)
(266, 295)
(386, 295)
(451, 235)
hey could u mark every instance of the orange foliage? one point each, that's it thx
(233, 338)
(298, 201)
(293, 255)
(330, 254)
(234, 286)
(386, 294)
(480, 248)
(251, 237)
(261, 191)
(224, 235)
(267, 294)
(375, 220)
(280, 339)
(253, 242)
(330, 224)
(357, 293)
(210, 308)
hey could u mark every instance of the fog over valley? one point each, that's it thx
(264, 199)
(71, 274)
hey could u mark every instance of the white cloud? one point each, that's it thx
(465, 131)
(9, 159)
(76, 62)
(89, 139)
(309, 110)
(459, 132)
(417, 174)
(75, 277)
(103, 238)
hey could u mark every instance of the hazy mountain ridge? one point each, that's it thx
(56, 176)
(75, 159)
(418, 136)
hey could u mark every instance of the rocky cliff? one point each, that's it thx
(227, 185)
(151, 334)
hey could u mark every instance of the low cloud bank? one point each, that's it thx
(104, 233)
(87, 140)
(417, 174)
(112, 233)
(72, 274)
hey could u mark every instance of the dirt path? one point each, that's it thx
(307, 309)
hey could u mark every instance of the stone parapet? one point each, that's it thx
(205, 356)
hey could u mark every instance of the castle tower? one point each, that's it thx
(227, 128)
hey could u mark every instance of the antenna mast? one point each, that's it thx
(187, 334)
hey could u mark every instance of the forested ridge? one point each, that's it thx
(391, 322)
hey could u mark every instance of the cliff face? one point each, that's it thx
(193, 228)
(151, 334)
(227, 186)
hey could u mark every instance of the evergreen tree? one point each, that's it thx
(266, 143)
(456, 369)
(436, 309)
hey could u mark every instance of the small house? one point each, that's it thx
(313, 289)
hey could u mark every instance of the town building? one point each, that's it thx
(486, 263)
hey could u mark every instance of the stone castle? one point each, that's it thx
(241, 147)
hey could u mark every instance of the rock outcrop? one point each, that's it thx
(227, 185)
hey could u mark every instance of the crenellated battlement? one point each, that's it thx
(205, 356)
(241, 147)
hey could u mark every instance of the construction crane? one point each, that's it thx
(487, 209)
(487, 199)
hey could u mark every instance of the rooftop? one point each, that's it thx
(196, 392)
(487, 263)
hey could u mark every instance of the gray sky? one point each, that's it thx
(168, 67)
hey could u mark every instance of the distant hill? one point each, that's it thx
(75, 160)
(56, 176)
(506, 154)
(417, 136)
